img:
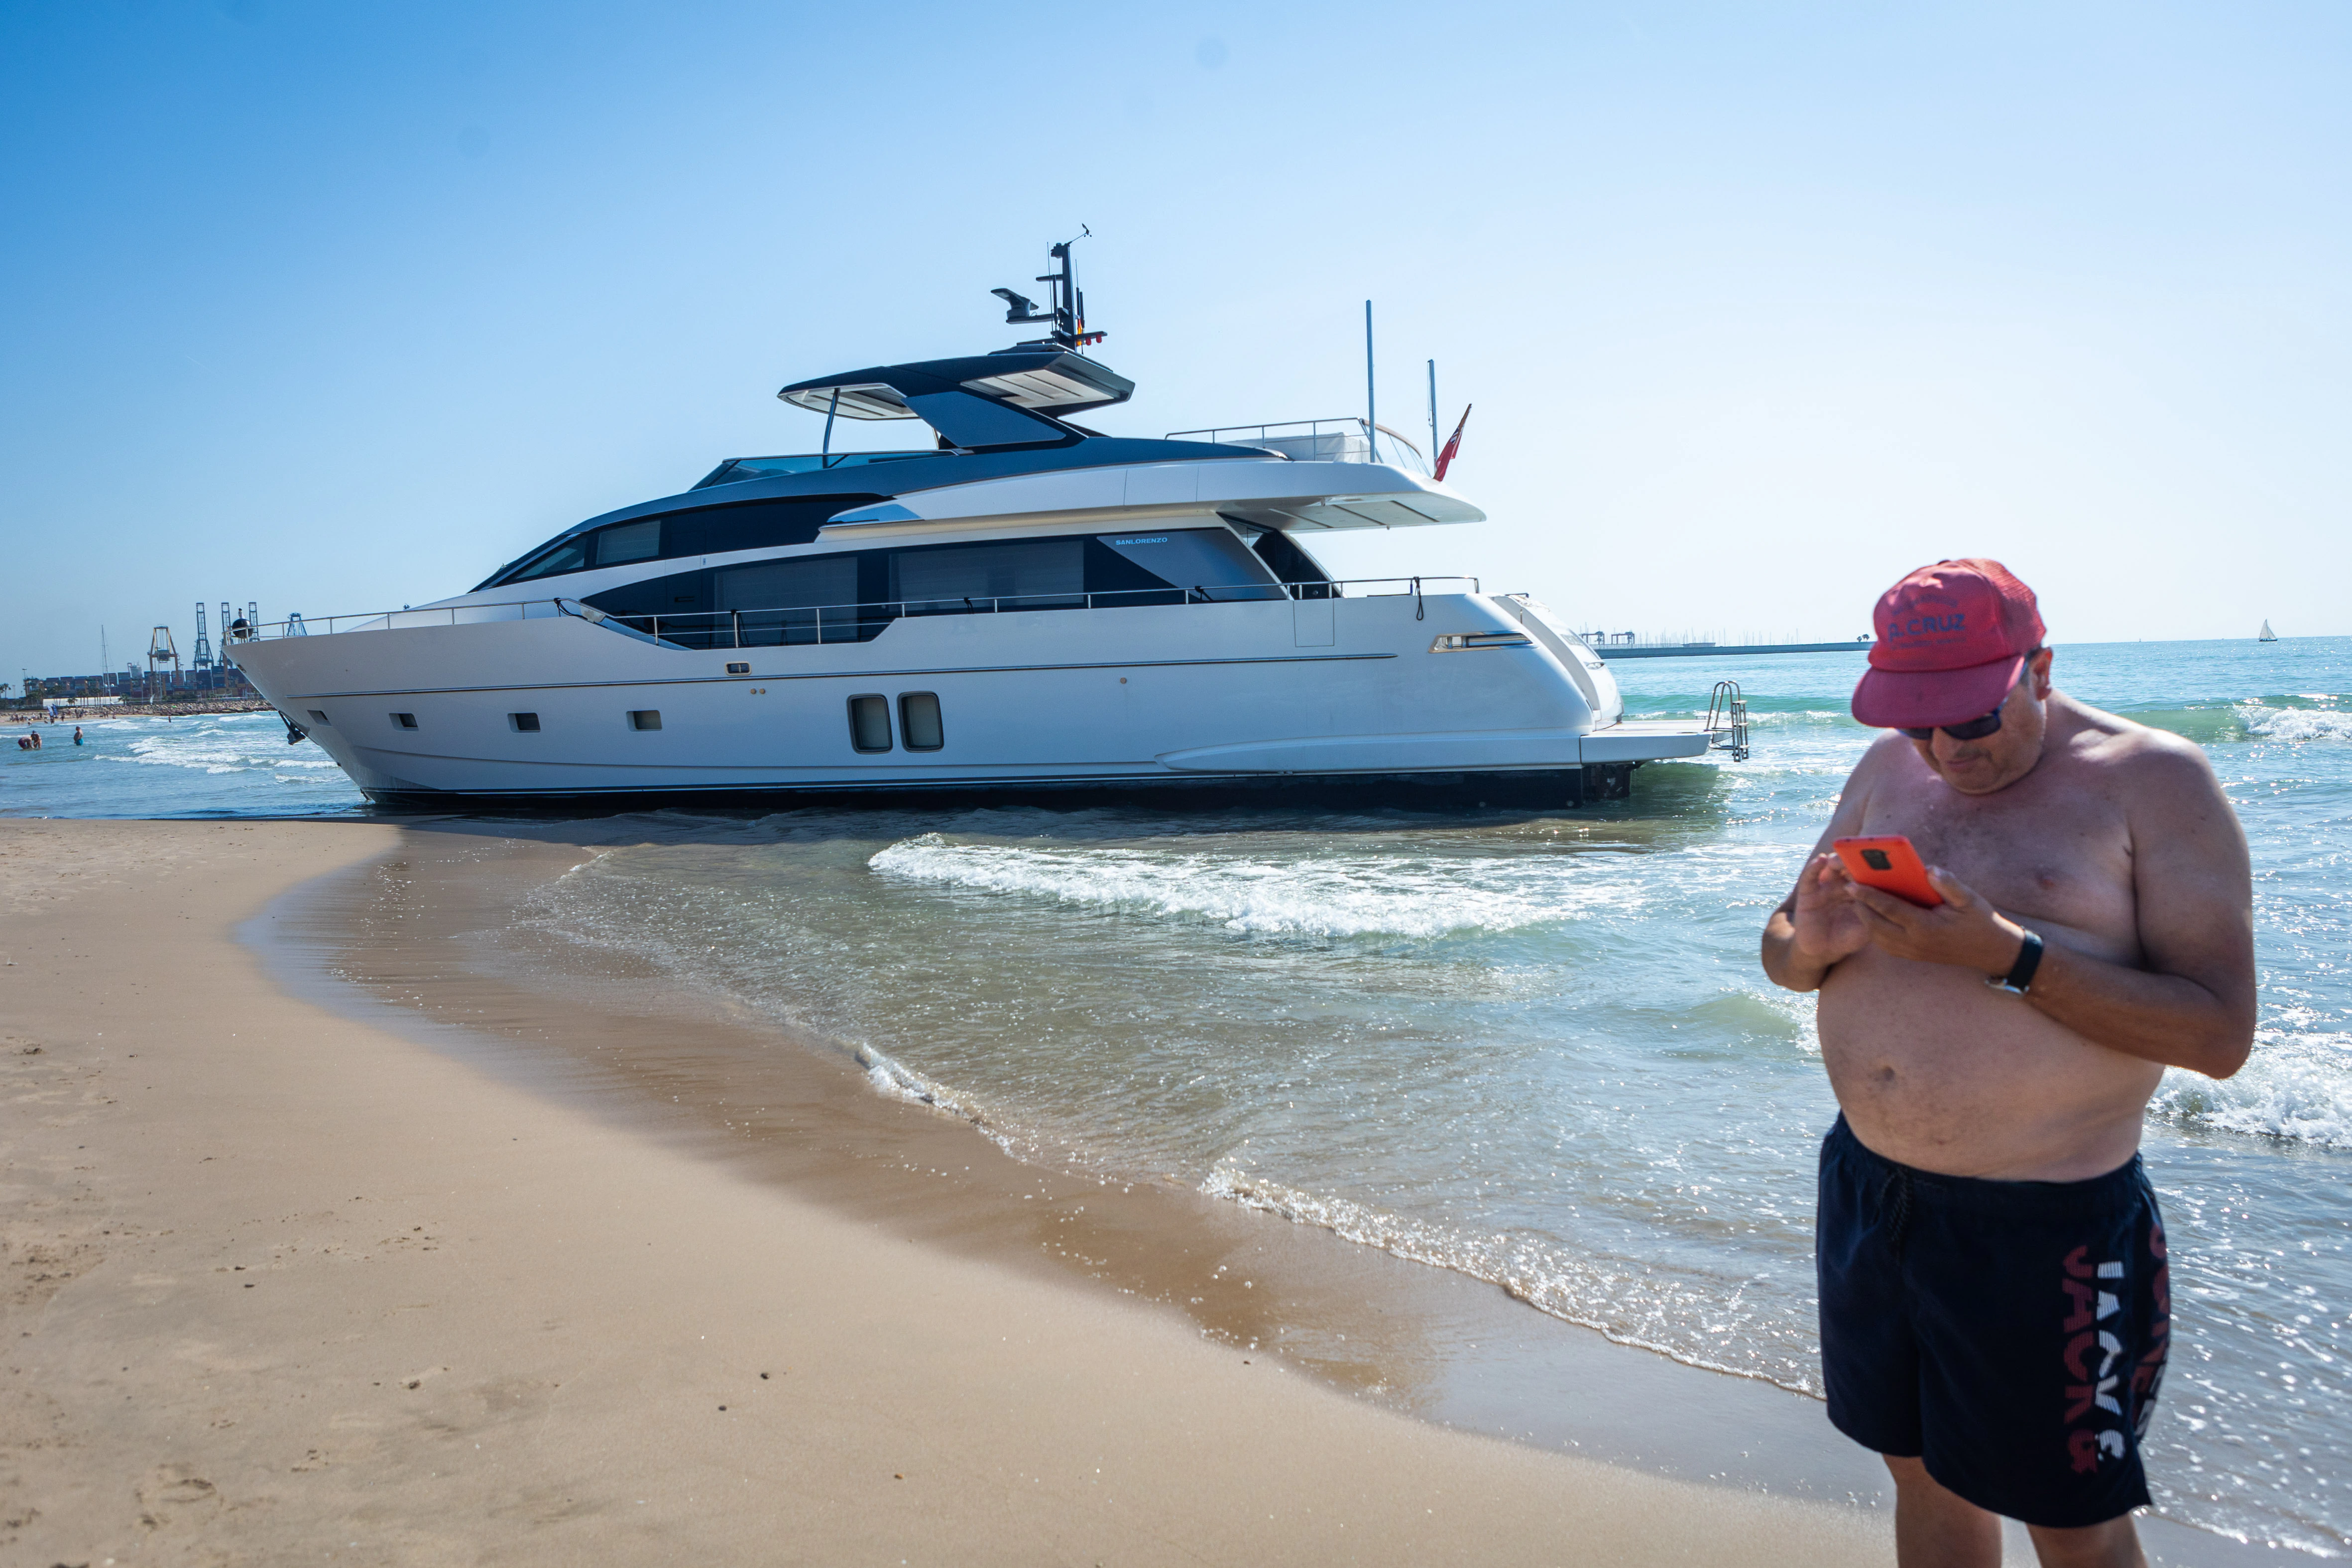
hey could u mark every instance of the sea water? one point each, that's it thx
(200, 764)
(1533, 1048)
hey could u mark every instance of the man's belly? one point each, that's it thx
(1935, 1070)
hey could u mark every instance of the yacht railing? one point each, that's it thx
(796, 623)
(1318, 441)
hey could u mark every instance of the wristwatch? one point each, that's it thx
(2020, 977)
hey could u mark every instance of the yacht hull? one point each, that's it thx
(1345, 696)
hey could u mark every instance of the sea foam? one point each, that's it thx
(1334, 896)
(214, 749)
(1700, 1320)
(2296, 723)
(2297, 1086)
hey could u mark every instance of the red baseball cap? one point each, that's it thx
(1951, 640)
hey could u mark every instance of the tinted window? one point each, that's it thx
(571, 555)
(775, 585)
(700, 530)
(639, 541)
(945, 576)
(765, 603)
(1290, 562)
(785, 601)
(754, 525)
(1211, 560)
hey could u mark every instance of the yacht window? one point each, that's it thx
(644, 717)
(869, 723)
(406, 720)
(526, 723)
(318, 716)
(918, 721)
(1209, 559)
(754, 525)
(1035, 571)
(639, 541)
(698, 531)
(569, 556)
(1289, 561)
(779, 600)
(785, 584)
(761, 604)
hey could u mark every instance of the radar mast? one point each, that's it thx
(1068, 313)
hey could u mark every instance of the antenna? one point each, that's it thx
(1432, 406)
(1371, 408)
(1068, 314)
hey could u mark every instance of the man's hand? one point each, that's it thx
(1964, 929)
(1815, 927)
(1829, 925)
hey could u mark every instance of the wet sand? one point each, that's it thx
(283, 1283)
(424, 941)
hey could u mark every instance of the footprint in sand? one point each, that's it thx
(175, 1494)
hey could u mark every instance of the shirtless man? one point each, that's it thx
(1994, 1302)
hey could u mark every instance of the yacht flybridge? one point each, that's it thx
(1021, 605)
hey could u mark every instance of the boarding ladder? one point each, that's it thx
(1727, 721)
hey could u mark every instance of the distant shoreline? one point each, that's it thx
(136, 711)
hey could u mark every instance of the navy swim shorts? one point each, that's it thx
(2008, 1334)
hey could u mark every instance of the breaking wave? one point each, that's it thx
(2297, 1085)
(1337, 897)
(2296, 724)
(2315, 716)
(219, 749)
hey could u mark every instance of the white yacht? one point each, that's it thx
(1021, 606)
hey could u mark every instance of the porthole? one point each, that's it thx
(318, 716)
(406, 720)
(869, 722)
(739, 669)
(918, 721)
(644, 717)
(526, 723)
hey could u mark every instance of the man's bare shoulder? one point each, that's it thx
(1881, 762)
(1886, 754)
(2145, 763)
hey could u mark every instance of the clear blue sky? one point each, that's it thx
(337, 306)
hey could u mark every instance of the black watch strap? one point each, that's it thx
(2019, 978)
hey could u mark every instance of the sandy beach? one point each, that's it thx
(284, 1285)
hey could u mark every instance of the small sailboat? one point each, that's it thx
(2268, 635)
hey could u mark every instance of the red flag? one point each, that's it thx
(1454, 442)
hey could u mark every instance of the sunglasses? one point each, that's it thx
(1975, 728)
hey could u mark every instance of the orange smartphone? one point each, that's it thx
(1886, 861)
